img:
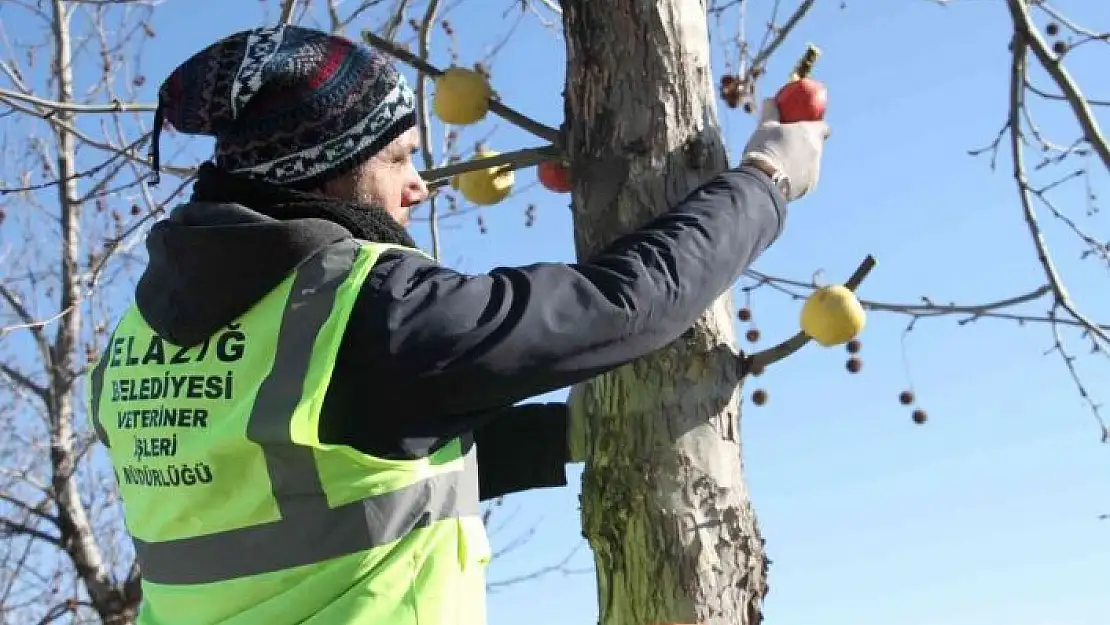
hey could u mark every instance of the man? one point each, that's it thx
(294, 402)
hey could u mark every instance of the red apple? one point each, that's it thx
(801, 100)
(554, 176)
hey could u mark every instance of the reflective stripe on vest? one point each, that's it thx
(309, 531)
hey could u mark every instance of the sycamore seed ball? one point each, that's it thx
(461, 96)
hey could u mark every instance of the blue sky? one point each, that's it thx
(988, 514)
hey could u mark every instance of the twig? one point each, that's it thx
(495, 106)
(1017, 91)
(928, 308)
(562, 566)
(759, 361)
(1031, 37)
(24, 381)
(59, 124)
(425, 122)
(92, 171)
(27, 321)
(287, 8)
(1018, 74)
(783, 31)
(10, 528)
(114, 106)
(1073, 372)
(517, 159)
(1057, 96)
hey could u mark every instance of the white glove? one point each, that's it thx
(793, 150)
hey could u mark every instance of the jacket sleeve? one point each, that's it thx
(441, 346)
(521, 448)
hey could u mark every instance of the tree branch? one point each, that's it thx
(929, 308)
(424, 121)
(761, 57)
(109, 108)
(9, 528)
(1018, 78)
(287, 7)
(759, 361)
(517, 159)
(1023, 25)
(1017, 100)
(495, 106)
(24, 381)
(76, 532)
(27, 322)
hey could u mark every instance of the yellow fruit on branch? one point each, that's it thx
(488, 185)
(461, 96)
(832, 315)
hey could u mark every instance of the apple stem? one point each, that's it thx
(805, 65)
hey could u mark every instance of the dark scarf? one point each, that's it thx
(364, 221)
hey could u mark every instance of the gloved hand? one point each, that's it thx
(793, 149)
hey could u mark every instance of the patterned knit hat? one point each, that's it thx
(289, 105)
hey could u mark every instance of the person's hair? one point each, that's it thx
(348, 184)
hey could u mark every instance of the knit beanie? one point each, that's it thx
(287, 105)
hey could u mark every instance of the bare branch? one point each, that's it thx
(424, 120)
(24, 381)
(9, 528)
(1017, 90)
(495, 106)
(110, 108)
(781, 32)
(759, 361)
(517, 159)
(1023, 26)
(287, 8)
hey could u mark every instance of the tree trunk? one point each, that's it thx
(664, 504)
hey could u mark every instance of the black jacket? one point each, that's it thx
(431, 353)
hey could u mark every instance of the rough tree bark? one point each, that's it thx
(664, 504)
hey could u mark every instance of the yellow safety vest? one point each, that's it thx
(240, 515)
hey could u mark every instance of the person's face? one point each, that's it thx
(388, 179)
(392, 180)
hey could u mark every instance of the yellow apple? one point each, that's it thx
(832, 315)
(488, 185)
(461, 96)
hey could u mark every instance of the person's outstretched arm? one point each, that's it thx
(446, 343)
(442, 351)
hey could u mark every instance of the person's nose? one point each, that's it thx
(416, 192)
